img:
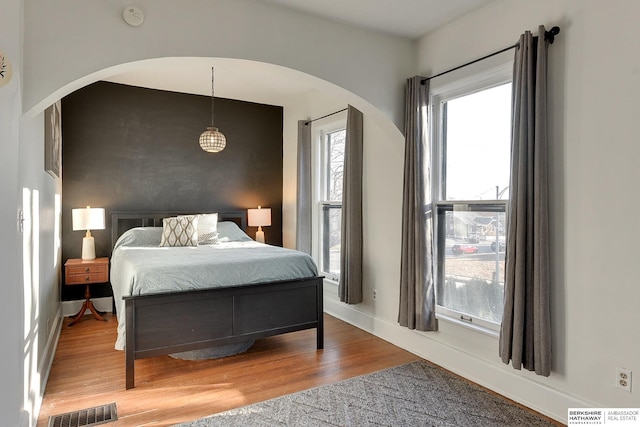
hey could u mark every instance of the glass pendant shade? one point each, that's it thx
(212, 141)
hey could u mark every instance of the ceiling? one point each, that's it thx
(270, 84)
(407, 18)
(234, 79)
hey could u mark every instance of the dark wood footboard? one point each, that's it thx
(161, 324)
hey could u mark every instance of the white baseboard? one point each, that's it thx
(50, 347)
(539, 397)
(70, 308)
(47, 361)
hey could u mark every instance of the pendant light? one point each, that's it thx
(211, 140)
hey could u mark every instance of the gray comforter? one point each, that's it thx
(139, 266)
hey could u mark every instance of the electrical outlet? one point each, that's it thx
(21, 221)
(623, 379)
(375, 294)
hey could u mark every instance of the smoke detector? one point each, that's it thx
(133, 16)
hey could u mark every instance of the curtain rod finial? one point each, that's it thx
(551, 34)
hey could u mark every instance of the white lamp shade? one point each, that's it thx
(259, 217)
(88, 218)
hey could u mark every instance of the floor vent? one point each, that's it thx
(85, 417)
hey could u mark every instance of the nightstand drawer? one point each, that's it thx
(78, 272)
(93, 277)
(86, 269)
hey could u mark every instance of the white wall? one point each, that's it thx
(83, 38)
(40, 200)
(29, 295)
(383, 157)
(594, 88)
(11, 312)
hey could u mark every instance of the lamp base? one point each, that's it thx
(260, 235)
(88, 248)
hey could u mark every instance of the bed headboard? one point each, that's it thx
(122, 221)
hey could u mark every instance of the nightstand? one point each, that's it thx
(85, 272)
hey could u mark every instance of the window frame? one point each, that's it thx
(442, 312)
(320, 166)
(475, 81)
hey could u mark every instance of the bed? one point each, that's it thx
(172, 300)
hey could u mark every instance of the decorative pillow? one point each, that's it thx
(208, 229)
(180, 231)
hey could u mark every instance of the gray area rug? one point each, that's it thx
(415, 394)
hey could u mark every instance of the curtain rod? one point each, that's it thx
(548, 35)
(327, 115)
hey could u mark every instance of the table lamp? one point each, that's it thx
(259, 218)
(88, 219)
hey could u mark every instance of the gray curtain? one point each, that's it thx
(525, 335)
(350, 284)
(303, 191)
(417, 293)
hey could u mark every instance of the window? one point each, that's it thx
(330, 200)
(472, 120)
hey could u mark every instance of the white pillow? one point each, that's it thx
(180, 231)
(228, 231)
(208, 229)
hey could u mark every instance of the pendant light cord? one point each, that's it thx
(212, 86)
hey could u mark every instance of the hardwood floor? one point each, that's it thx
(88, 372)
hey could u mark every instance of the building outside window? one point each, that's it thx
(471, 134)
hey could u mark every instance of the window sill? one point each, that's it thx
(468, 325)
(331, 281)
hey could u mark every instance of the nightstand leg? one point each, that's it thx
(87, 304)
(96, 313)
(79, 315)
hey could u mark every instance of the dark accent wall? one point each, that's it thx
(130, 148)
